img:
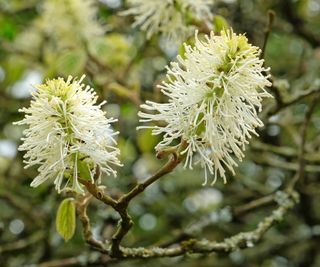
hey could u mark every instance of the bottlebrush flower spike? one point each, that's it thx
(214, 92)
(70, 22)
(68, 134)
(169, 17)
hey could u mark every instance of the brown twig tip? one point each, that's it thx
(160, 154)
(271, 16)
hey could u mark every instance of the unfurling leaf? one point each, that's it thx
(66, 219)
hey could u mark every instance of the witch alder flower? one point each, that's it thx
(169, 17)
(70, 22)
(214, 92)
(68, 135)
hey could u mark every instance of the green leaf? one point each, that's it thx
(146, 141)
(84, 171)
(113, 50)
(8, 29)
(182, 49)
(128, 151)
(66, 219)
(71, 62)
(220, 23)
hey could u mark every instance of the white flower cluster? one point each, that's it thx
(68, 135)
(214, 92)
(70, 22)
(169, 17)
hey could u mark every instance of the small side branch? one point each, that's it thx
(287, 103)
(82, 212)
(298, 24)
(253, 204)
(99, 194)
(122, 204)
(23, 243)
(271, 16)
(301, 156)
(139, 188)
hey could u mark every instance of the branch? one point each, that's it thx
(78, 261)
(284, 151)
(22, 205)
(242, 240)
(253, 204)
(206, 220)
(167, 168)
(98, 193)
(286, 201)
(122, 91)
(271, 16)
(82, 212)
(301, 156)
(299, 25)
(270, 160)
(118, 85)
(121, 205)
(286, 103)
(23, 243)
(67, 262)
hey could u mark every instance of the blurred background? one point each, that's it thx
(44, 39)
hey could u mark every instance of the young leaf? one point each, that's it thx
(220, 23)
(66, 219)
(84, 170)
(72, 62)
(146, 141)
